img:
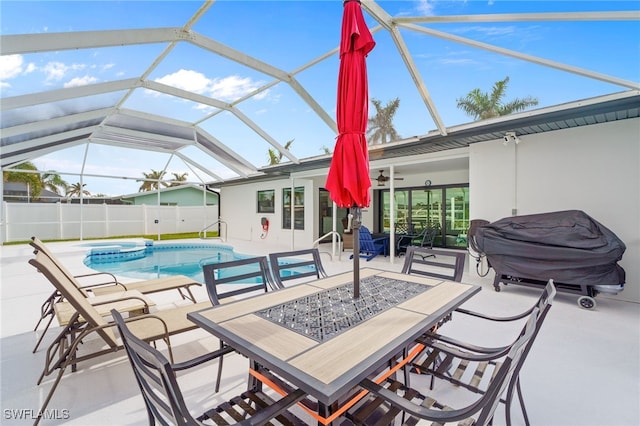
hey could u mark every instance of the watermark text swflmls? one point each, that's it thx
(31, 414)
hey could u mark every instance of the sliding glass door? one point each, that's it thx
(445, 207)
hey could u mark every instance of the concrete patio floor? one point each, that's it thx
(584, 368)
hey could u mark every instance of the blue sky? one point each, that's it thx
(290, 34)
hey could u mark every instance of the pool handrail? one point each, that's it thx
(324, 237)
(203, 233)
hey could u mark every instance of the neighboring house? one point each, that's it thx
(181, 195)
(18, 192)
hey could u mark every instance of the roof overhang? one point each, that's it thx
(602, 109)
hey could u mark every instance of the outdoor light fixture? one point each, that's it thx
(510, 137)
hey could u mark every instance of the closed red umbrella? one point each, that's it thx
(348, 181)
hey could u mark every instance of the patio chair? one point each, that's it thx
(110, 286)
(87, 322)
(296, 265)
(239, 277)
(447, 265)
(472, 364)
(248, 275)
(391, 398)
(371, 247)
(165, 404)
(423, 239)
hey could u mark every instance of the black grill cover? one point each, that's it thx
(568, 246)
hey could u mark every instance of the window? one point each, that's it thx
(266, 200)
(298, 208)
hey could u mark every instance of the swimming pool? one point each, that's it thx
(150, 260)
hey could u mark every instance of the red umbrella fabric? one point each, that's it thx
(348, 181)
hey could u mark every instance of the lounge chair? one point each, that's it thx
(64, 351)
(165, 404)
(180, 283)
(390, 399)
(371, 247)
(296, 265)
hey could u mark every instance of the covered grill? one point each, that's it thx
(573, 249)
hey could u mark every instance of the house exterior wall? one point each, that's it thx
(239, 209)
(182, 197)
(591, 168)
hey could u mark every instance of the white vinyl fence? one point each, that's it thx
(56, 221)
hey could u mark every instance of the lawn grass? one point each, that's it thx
(154, 237)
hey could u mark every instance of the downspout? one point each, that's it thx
(292, 213)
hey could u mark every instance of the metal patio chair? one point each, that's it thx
(239, 277)
(447, 265)
(424, 238)
(467, 365)
(391, 399)
(165, 404)
(295, 265)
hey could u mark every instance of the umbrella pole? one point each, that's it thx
(357, 221)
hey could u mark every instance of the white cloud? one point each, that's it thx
(226, 88)
(232, 87)
(425, 7)
(56, 71)
(192, 81)
(10, 66)
(31, 67)
(80, 81)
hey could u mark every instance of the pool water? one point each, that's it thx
(159, 260)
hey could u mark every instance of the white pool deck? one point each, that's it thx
(584, 368)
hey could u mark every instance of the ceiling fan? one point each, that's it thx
(382, 178)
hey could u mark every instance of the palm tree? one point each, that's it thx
(481, 105)
(76, 190)
(150, 182)
(179, 177)
(32, 180)
(275, 158)
(53, 182)
(381, 128)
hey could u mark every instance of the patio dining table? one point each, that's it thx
(320, 339)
